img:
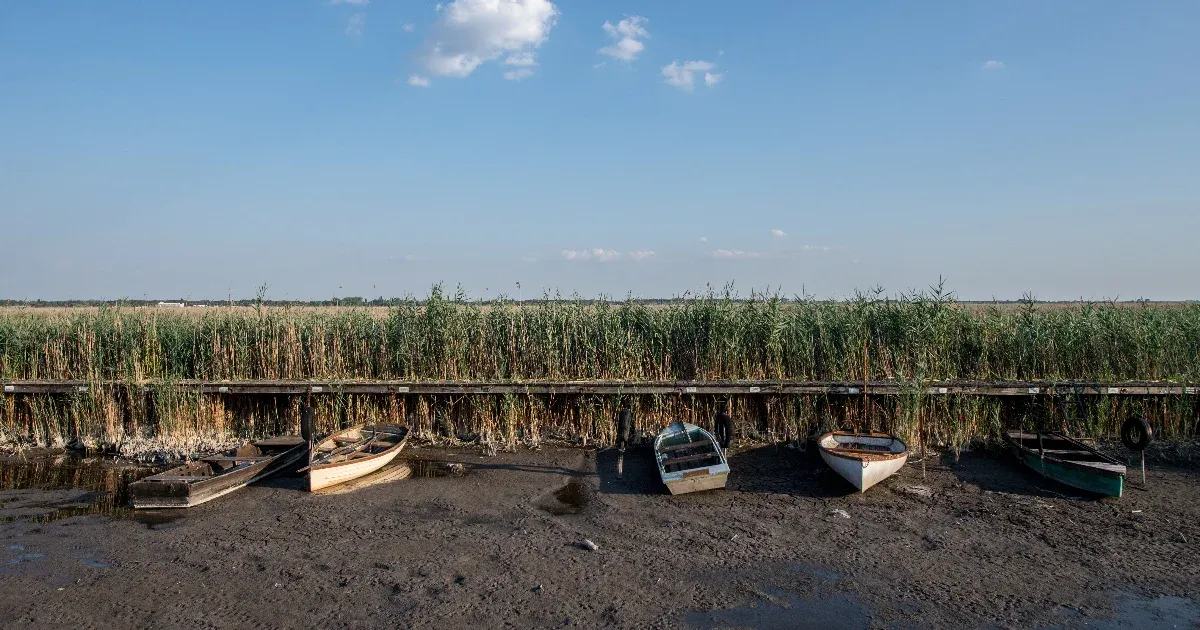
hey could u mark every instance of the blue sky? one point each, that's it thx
(171, 149)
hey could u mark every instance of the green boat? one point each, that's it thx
(1069, 462)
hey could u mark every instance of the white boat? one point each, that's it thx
(864, 459)
(689, 459)
(354, 452)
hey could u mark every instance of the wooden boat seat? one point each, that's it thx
(863, 451)
(345, 440)
(679, 447)
(180, 478)
(671, 461)
(234, 459)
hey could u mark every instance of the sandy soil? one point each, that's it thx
(976, 542)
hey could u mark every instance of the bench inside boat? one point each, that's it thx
(687, 451)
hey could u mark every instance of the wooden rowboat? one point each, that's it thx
(216, 475)
(689, 459)
(355, 452)
(1069, 461)
(864, 459)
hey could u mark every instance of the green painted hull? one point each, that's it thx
(1074, 476)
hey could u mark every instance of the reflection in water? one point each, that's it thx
(105, 482)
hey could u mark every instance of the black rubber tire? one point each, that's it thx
(1136, 434)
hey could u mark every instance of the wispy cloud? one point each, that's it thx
(357, 3)
(518, 74)
(736, 253)
(409, 27)
(605, 255)
(703, 239)
(787, 253)
(777, 233)
(683, 75)
(993, 65)
(417, 80)
(627, 35)
(356, 24)
(469, 33)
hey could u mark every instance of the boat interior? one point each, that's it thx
(863, 444)
(244, 455)
(360, 443)
(686, 450)
(1060, 447)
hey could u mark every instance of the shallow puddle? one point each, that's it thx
(785, 610)
(431, 468)
(83, 486)
(569, 499)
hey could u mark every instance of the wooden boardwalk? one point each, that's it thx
(726, 388)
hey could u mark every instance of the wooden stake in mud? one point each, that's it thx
(624, 427)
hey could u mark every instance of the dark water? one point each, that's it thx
(569, 499)
(100, 485)
(785, 610)
(431, 468)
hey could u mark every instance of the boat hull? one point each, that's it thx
(863, 459)
(333, 464)
(162, 491)
(860, 473)
(333, 474)
(698, 483)
(689, 459)
(1075, 476)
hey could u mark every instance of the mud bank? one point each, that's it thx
(498, 541)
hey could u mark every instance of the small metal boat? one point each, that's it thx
(689, 459)
(1069, 461)
(863, 459)
(217, 475)
(354, 452)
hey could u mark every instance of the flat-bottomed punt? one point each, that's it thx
(1069, 462)
(217, 475)
(354, 452)
(689, 459)
(863, 459)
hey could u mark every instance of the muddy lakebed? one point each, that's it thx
(455, 538)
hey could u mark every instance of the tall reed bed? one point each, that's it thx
(183, 422)
(714, 336)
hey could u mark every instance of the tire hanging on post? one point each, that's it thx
(1136, 435)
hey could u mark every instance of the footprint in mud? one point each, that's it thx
(569, 499)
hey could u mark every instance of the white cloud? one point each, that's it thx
(703, 239)
(357, 3)
(408, 28)
(711, 79)
(606, 255)
(993, 65)
(778, 233)
(628, 34)
(683, 75)
(469, 33)
(518, 74)
(418, 81)
(736, 253)
(356, 24)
